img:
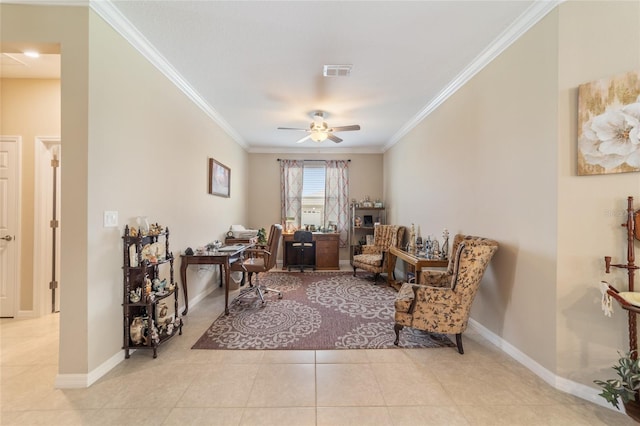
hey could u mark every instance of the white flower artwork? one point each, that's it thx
(609, 125)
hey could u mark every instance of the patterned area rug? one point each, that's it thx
(319, 310)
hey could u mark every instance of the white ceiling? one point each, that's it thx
(257, 65)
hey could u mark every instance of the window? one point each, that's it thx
(313, 185)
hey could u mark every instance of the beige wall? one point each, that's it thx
(148, 156)
(498, 159)
(29, 108)
(365, 178)
(596, 40)
(135, 144)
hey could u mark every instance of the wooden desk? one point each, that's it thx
(217, 257)
(417, 262)
(327, 250)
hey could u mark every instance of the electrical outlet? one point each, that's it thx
(110, 219)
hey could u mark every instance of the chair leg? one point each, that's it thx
(459, 343)
(354, 271)
(397, 328)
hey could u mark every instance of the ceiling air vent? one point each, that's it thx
(337, 70)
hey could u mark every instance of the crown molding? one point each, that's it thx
(538, 10)
(107, 11)
(330, 150)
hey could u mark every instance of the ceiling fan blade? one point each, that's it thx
(303, 139)
(334, 138)
(292, 128)
(345, 128)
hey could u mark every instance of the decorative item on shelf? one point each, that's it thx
(133, 256)
(428, 244)
(214, 246)
(143, 225)
(366, 202)
(412, 239)
(164, 318)
(135, 295)
(155, 229)
(133, 231)
(435, 249)
(159, 286)
(445, 244)
(357, 221)
(136, 331)
(378, 204)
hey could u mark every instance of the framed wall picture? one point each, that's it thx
(219, 179)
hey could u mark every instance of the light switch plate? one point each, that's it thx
(110, 219)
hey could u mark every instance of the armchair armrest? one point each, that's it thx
(258, 251)
(426, 295)
(435, 278)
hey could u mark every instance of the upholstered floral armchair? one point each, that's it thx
(374, 257)
(442, 303)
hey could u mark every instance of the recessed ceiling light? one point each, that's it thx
(32, 54)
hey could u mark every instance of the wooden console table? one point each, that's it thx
(417, 262)
(217, 257)
(327, 250)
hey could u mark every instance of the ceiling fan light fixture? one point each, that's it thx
(319, 136)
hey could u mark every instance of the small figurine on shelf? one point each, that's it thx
(435, 249)
(357, 221)
(135, 295)
(412, 239)
(445, 243)
(155, 229)
(136, 330)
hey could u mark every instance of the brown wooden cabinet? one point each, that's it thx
(327, 250)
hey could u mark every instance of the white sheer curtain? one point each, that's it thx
(336, 204)
(291, 178)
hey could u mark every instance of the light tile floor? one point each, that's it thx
(342, 387)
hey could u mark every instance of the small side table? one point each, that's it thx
(417, 262)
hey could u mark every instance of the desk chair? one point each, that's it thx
(260, 260)
(303, 242)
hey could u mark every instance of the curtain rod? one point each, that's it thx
(280, 159)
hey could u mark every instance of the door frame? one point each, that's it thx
(41, 223)
(18, 231)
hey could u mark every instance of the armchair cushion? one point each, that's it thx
(370, 259)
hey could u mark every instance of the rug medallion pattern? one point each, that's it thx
(320, 310)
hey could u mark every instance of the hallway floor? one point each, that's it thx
(342, 387)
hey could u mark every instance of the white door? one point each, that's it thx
(9, 223)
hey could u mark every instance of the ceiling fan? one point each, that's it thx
(319, 130)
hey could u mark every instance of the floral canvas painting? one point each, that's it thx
(609, 125)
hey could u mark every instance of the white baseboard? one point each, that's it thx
(26, 314)
(565, 385)
(69, 381)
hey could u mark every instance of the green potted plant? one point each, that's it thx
(262, 236)
(625, 387)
